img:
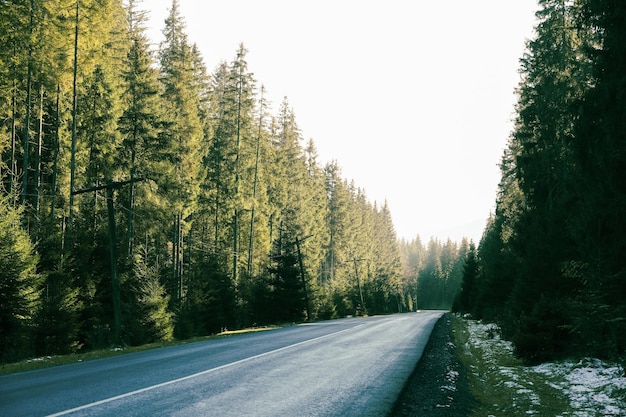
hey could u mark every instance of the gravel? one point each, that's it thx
(438, 386)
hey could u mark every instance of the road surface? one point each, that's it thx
(347, 367)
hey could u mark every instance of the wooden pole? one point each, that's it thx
(117, 311)
(115, 283)
(306, 295)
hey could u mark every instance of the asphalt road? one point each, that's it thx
(347, 367)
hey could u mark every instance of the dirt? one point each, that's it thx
(438, 386)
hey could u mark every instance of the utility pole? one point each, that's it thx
(24, 194)
(300, 263)
(115, 283)
(74, 115)
(236, 215)
(254, 188)
(358, 281)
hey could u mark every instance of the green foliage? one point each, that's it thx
(57, 318)
(286, 297)
(468, 291)
(212, 297)
(254, 294)
(551, 264)
(223, 215)
(151, 320)
(20, 290)
(433, 274)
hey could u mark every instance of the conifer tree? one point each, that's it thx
(185, 130)
(545, 255)
(58, 316)
(151, 320)
(600, 150)
(388, 265)
(20, 286)
(465, 299)
(145, 151)
(297, 199)
(338, 250)
(231, 157)
(412, 254)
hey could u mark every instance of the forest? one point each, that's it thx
(551, 266)
(147, 199)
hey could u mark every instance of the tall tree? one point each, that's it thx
(181, 96)
(464, 301)
(231, 158)
(388, 265)
(600, 150)
(549, 255)
(412, 254)
(145, 152)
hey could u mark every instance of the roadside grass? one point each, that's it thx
(499, 381)
(504, 386)
(56, 360)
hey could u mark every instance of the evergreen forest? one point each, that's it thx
(551, 266)
(145, 198)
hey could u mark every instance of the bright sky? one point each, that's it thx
(414, 99)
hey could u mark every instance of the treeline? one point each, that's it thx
(145, 198)
(551, 267)
(434, 272)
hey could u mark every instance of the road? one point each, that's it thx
(347, 367)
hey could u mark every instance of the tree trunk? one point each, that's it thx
(55, 162)
(74, 111)
(37, 176)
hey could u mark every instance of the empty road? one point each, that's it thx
(347, 367)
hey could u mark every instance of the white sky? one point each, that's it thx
(414, 99)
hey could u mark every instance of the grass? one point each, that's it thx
(50, 361)
(500, 381)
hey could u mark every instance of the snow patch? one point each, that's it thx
(593, 387)
(42, 359)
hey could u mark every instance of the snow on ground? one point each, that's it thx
(591, 387)
(594, 387)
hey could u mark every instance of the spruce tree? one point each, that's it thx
(466, 297)
(20, 286)
(600, 150)
(231, 157)
(145, 151)
(186, 133)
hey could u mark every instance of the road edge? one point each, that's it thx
(439, 385)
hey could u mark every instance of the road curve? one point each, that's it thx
(347, 367)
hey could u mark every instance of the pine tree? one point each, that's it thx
(20, 286)
(541, 274)
(287, 297)
(554, 81)
(145, 151)
(337, 252)
(186, 133)
(412, 255)
(600, 150)
(151, 320)
(388, 265)
(231, 157)
(555, 78)
(57, 319)
(467, 297)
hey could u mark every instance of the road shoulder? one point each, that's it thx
(439, 384)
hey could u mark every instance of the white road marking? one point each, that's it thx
(208, 371)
